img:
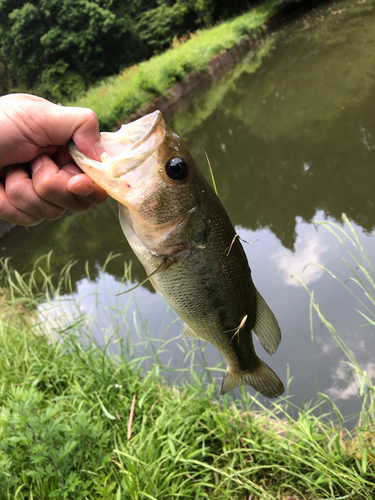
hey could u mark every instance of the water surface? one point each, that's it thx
(290, 133)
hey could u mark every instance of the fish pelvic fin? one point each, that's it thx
(266, 328)
(167, 262)
(188, 333)
(262, 378)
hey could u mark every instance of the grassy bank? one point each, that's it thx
(76, 423)
(137, 86)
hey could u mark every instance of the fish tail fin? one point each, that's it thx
(262, 378)
(266, 328)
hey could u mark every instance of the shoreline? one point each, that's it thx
(223, 62)
(218, 66)
(162, 80)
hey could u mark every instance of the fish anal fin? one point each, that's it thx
(262, 378)
(266, 328)
(188, 333)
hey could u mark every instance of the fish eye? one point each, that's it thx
(177, 169)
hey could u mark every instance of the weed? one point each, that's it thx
(78, 423)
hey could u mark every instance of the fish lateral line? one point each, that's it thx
(167, 262)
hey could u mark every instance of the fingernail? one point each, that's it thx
(99, 149)
(71, 169)
(83, 190)
(36, 164)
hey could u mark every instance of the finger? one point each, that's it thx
(51, 184)
(62, 156)
(82, 186)
(10, 213)
(21, 194)
(72, 168)
(64, 161)
(43, 126)
(81, 124)
(24, 97)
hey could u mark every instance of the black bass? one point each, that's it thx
(183, 237)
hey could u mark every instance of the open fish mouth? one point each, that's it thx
(125, 150)
(133, 139)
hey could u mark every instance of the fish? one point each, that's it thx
(181, 233)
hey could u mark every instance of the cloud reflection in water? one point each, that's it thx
(309, 248)
(341, 389)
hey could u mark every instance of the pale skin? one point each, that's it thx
(38, 178)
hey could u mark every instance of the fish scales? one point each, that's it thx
(182, 235)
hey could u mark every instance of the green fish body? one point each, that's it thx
(181, 233)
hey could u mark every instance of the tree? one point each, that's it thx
(65, 45)
(57, 48)
(158, 26)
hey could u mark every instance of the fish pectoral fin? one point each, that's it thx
(196, 228)
(167, 262)
(266, 328)
(262, 378)
(188, 333)
(201, 237)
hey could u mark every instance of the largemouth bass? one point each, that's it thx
(181, 233)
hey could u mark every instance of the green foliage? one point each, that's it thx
(160, 25)
(20, 39)
(45, 448)
(59, 82)
(65, 421)
(119, 97)
(58, 48)
(63, 46)
(9, 81)
(168, 20)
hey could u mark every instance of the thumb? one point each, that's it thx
(80, 124)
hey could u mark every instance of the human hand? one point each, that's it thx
(38, 178)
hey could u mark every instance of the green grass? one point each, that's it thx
(66, 429)
(362, 279)
(118, 97)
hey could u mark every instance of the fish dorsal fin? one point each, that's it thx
(266, 328)
(188, 333)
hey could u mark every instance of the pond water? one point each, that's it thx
(290, 133)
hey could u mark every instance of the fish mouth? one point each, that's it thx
(134, 138)
(125, 150)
